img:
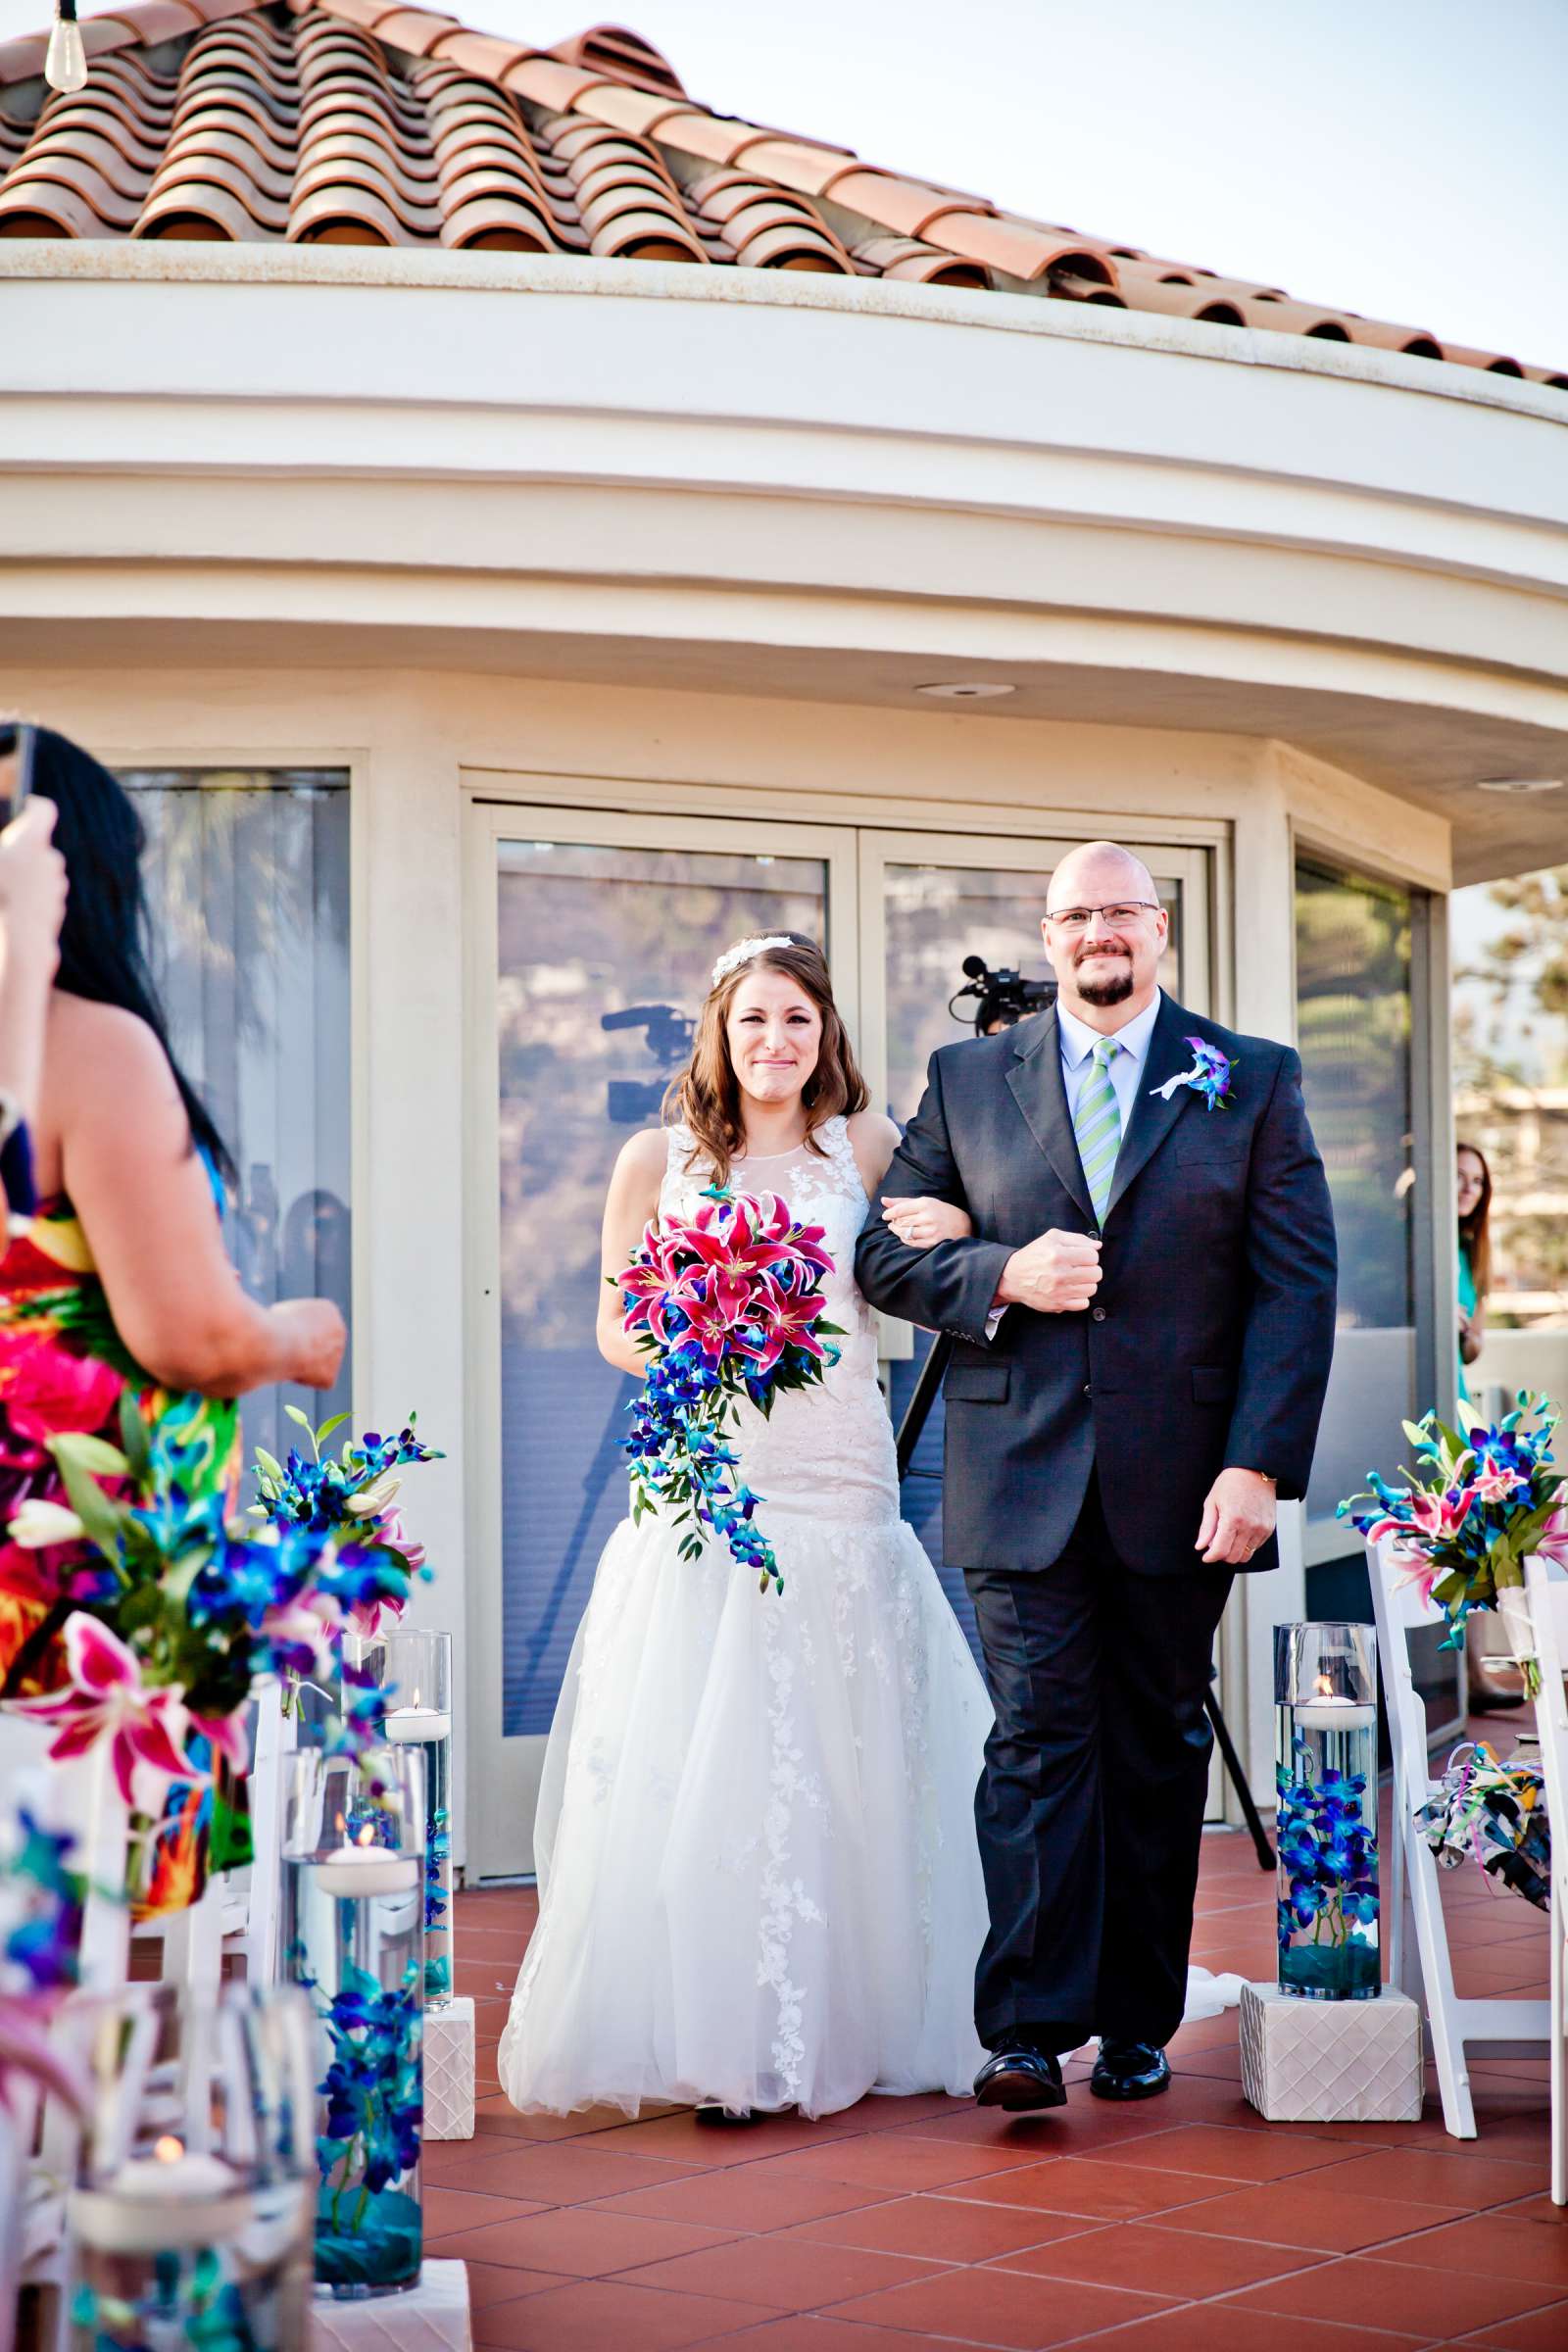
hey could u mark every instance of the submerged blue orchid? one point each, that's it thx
(1327, 1851)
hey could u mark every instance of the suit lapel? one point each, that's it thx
(1035, 1079)
(1153, 1116)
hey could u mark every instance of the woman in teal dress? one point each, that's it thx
(1474, 1184)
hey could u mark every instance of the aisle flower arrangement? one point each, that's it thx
(1494, 1813)
(728, 1306)
(1471, 1512)
(183, 1609)
(41, 1900)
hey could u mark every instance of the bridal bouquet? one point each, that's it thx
(1472, 1512)
(726, 1305)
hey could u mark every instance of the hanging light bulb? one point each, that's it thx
(65, 68)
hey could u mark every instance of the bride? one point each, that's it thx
(758, 1880)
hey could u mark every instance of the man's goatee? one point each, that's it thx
(1107, 991)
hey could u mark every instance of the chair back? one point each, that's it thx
(1549, 1620)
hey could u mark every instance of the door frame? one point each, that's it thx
(504, 1772)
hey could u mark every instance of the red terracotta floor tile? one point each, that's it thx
(787, 2273)
(565, 2173)
(1497, 2247)
(1231, 2155)
(1094, 2186)
(941, 2229)
(1465, 2179)
(991, 2307)
(1544, 2330)
(494, 2282)
(1221, 2327)
(450, 2209)
(1154, 2260)
(747, 2196)
(583, 2245)
(1436, 2302)
(807, 2331)
(601, 2314)
(679, 2141)
(1300, 2213)
(888, 2160)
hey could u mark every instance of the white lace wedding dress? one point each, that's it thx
(757, 1873)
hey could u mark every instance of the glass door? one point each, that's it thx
(592, 940)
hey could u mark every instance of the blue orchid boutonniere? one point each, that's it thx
(1209, 1075)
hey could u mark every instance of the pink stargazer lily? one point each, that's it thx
(107, 1700)
(1433, 1518)
(790, 1323)
(226, 1732)
(1552, 1541)
(1495, 1482)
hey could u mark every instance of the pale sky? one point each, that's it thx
(1402, 158)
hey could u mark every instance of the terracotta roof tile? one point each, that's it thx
(374, 122)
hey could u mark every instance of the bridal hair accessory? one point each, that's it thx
(1209, 1075)
(744, 950)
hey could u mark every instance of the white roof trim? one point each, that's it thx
(153, 262)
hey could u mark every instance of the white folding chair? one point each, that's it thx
(1419, 1962)
(1548, 1619)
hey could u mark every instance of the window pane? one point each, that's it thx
(247, 889)
(588, 934)
(1352, 955)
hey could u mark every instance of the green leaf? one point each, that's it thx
(134, 1435)
(328, 1427)
(90, 1453)
(102, 1518)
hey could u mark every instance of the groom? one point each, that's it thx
(1143, 1318)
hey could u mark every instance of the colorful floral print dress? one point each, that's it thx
(65, 1369)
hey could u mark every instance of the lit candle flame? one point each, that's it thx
(1325, 1689)
(169, 2149)
(366, 1836)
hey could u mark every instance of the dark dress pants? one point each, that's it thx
(1091, 1805)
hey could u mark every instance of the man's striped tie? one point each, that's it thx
(1097, 1124)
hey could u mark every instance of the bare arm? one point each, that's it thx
(33, 905)
(145, 1206)
(631, 1204)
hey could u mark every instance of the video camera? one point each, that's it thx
(633, 1100)
(1001, 997)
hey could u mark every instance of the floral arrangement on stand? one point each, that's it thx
(728, 1307)
(374, 2116)
(1473, 1510)
(1494, 1813)
(1329, 1866)
(181, 1609)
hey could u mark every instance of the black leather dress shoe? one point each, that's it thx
(1021, 2080)
(723, 2119)
(1130, 2070)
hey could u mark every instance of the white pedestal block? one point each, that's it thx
(432, 2317)
(449, 2061)
(1330, 2062)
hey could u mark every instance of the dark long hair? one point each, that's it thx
(1475, 1228)
(103, 943)
(707, 1095)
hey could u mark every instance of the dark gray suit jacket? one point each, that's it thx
(1211, 1338)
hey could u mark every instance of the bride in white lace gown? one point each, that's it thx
(758, 1880)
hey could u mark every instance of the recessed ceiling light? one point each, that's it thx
(966, 691)
(1519, 784)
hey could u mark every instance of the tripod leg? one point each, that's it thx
(918, 1410)
(1232, 1765)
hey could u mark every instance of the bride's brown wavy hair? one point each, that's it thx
(707, 1095)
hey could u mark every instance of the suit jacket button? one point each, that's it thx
(1089, 1387)
(1098, 1314)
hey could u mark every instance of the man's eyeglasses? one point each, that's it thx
(1073, 919)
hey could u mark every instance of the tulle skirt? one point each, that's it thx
(756, 1840)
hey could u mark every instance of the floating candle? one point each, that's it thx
(362, 1870)
(170, 2201)
(408, 1724)
(1328, 1712)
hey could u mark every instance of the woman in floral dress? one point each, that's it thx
(116, 1282)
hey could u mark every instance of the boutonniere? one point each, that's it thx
(1209, 1075)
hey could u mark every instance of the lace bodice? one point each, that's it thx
(826, 1450)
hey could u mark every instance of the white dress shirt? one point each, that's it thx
(1078, 1042)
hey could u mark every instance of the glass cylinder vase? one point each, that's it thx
(415, 1670)
(189, 2222)
(1325, 1765)
(353, 1936)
